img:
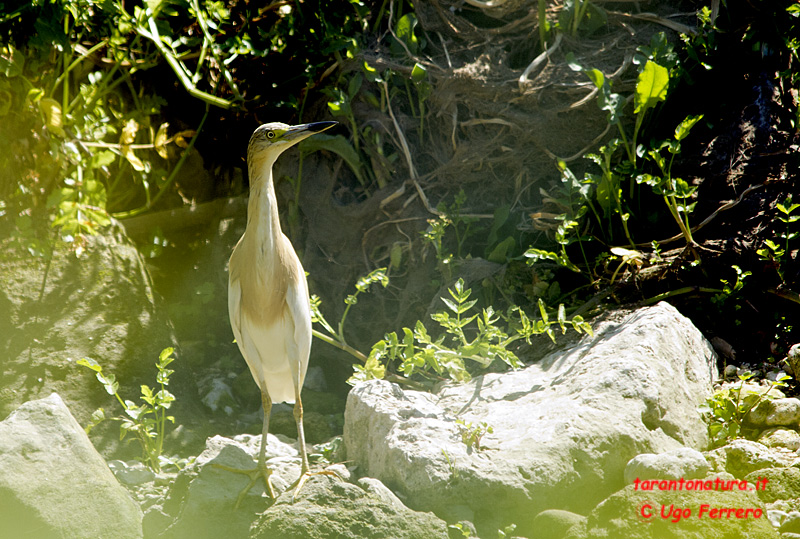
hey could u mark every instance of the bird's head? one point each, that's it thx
(272, 139)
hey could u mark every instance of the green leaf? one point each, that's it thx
(682, 131)
(90, 363)
(501, 253)
(405, 32)
(12, 61)
(543, 311)
(109, 383)
(354, 85)
(102, 159)
(651, 87)
(450, 305)
(596, 76)
(418, 73)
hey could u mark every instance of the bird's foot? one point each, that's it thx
(304, 476)
(260, 471)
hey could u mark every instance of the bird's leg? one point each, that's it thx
(301, 438)
(261, 469)
(305, 470)
(298, 417)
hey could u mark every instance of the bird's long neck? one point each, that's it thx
(263, 221)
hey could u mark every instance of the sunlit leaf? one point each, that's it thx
(126, 139)
(51, 109)
(651, 87)
(160, 141)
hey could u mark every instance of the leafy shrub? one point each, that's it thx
(146, 421)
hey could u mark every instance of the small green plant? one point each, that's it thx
(460, 528)
(726, 410)
(573, 197)
(773, 252)
(146, 421)
(471, 435)
(451, 465)
(418, 353)
(731, 289)
(362, 285)
(507, 532)
(676, 192)
(581, 14)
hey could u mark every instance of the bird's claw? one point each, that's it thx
(304, 476)
(261, 470)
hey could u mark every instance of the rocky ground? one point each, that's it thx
(572, 446)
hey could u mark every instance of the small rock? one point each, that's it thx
(780, 437)
(675, 464)
(784, 412)
(776, 517)
(554, 523)
(777, 412)
(793, 360)
(731, 371)
(783, 483)
(744, 457)
(131, 473)
(791, 523)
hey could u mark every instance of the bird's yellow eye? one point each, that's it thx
(270, 135)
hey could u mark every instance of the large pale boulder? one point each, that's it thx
(101, 305)
(54, 484)
(563, 428)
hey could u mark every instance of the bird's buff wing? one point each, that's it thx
(299, 312)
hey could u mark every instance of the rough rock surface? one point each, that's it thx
(101, 306)
(675, 464)
(780, 437)
(53, 483)
(742, 457)
(784, 483)
(783, 412)
(555, 523)
(328, 507)
(638, 514)
(201, 502)
(563, 428)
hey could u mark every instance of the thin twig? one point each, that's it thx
(539, 60)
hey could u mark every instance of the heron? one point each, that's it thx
(268, 300)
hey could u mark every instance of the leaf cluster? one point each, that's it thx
(476, 337)
(147, 420)
(726, 410)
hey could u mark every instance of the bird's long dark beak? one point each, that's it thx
(296, 133)
(318, 127)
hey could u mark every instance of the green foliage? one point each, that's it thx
(471, 435)
(146, 421)
(336, 337)
(676, 192)
(731, 290)
(465, 335)
(774, 252)
(726, 410)
(582, 15)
